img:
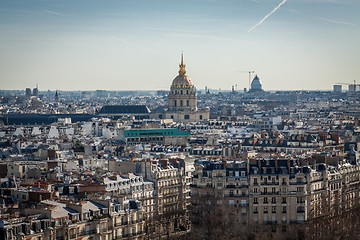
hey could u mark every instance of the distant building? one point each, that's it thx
(182, 100)
(56, 97)
(338, 88)
(36, 92)
(162, 93)
(138, 111)
(28, 92)
(353, 88)
(256, 85)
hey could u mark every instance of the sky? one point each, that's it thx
(137, 44)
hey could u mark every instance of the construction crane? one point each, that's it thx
(352, 84)
(250, 72)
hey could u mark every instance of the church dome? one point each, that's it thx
(256, 84)
(182, 81)
(182, 94)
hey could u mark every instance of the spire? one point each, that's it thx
(56, 96)
(182, 70)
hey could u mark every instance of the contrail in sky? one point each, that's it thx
(54, 13)
(262, 20)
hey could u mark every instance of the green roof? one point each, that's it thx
(155, 132)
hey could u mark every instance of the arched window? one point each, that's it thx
(187, 92)
(181, 92)
(300, 209)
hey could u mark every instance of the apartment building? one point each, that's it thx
(274, 192)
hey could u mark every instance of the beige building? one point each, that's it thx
(88, 220)
(277, 194)
(182, 100)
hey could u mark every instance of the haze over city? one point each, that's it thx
(136, 45)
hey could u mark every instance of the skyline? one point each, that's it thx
(136, 45)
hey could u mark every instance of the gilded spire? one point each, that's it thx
(182, 70)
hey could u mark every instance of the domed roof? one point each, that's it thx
(256, 84)
(182, 81)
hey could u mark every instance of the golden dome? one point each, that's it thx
(182, 80)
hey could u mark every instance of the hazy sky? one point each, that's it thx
(136, 44)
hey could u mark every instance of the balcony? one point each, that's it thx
(270, 222)
(297, 183)
(269, 193)
(270, 183)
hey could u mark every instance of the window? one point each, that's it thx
(273, 200)
(273, 209)
(300, 200)
(265, 190)
(201, 117)
(181, 92)
(255, 210)
(284, 200)
(255, 200)
(300, 209)
(187, 117)
(265, 210)
(265, 200)
(284, 209)
(255, 181)
(181, 103)
(273, 190)
(187, 103)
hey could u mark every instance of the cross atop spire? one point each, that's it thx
(182, 70)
